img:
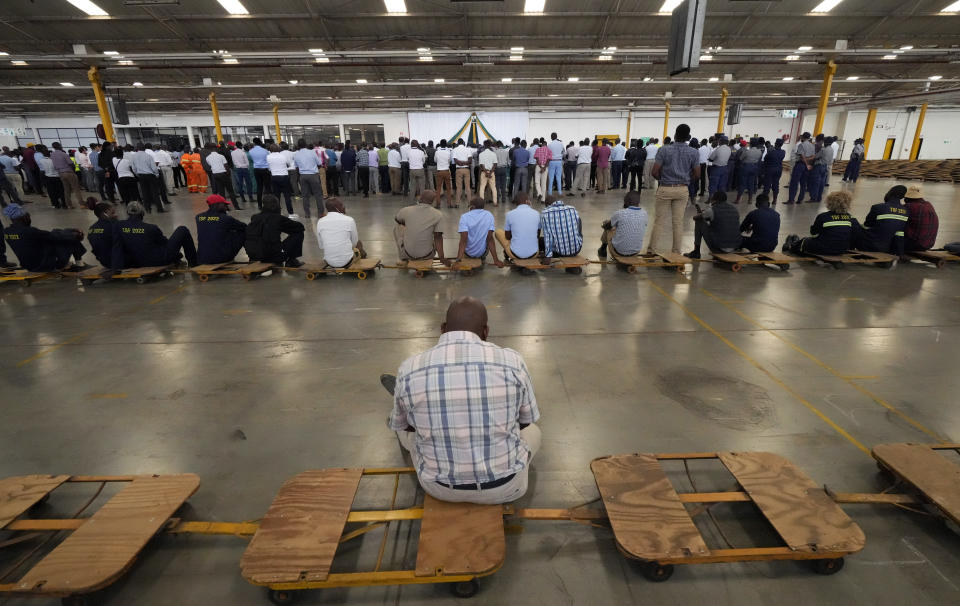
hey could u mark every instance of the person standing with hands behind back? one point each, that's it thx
(674, 166)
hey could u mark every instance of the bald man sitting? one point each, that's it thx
(465, 411)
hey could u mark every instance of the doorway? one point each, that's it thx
(888, 148)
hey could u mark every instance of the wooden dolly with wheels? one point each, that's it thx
(362, 268)
(857, 257)
(572, 265)
(422, 267)
(247, 270)
(297, 540)
(25, 277)
(668, 260)
(735, 261)
(139, 274)
(651, 522)
(933, 479)
(938, 257)
(100, 548)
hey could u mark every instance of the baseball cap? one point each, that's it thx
(217, 199)
(914, 192)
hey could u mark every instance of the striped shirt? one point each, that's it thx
(466, 398)
(560, 226)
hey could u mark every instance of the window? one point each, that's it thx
(325, 134)
(70, 138)
(363, 133)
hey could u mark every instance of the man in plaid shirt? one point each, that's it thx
(922, 222)
(465, 410)
(561, 228)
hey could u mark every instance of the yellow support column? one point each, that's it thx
(629, 117)
(723, 109)
(915, 148)
(216, 116)
(868, 130)
(276, 121)
(94, 76)
(828, 74)
(666, 119)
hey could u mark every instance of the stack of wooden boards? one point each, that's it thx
(947, 171)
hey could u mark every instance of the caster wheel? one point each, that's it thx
(828, 566)
(465, 589)
(655, 572)
(889, 265)
(281, 596)
(419, 274)
(941, 264)
(837, 265)
(203, 277)
(735, 267)
(631, 269)
(141, 280)
(361, 275)
(468, 272)
(784, 266)
(311, 276)
(75, 600)
(526, 271)
(575, 270)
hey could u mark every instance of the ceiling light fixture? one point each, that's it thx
(888, 57)
(706, 57)
(516, 57)
(906, 47)
(323, 60)
(426, 58)
(293, 81)
(573, 79)
(953, 8)
(66, 84)
(552, 95)
(19, 62)
(230, 60)
(787, 78)
(534, 6)
(668, 6)
(439, 80)
(935, 77)
(792, 57)
(138, 84)
(605, 57)
(713, 79)
(234, 7)
(395, 6)
(89, 7)
(853, 77)
(125, 62)
(111, 53)
(361, 81)
(804, 48)
(826, 6)
(506, 79)
(648, 79)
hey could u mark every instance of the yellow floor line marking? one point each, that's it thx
(107, 396)
(162, 297)
(848, 378)
(762, 369)
(50, 350)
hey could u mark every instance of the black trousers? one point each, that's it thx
(179, 240)
(225, 185)
(616, 174)
(405, 178)
(384, 179)
(636, 177)
(263, 184)
(569, 171)
(363, 179)
(700, 233)
(333, 181)
(55, 191)
(110, 185)
(281, 184)
(150, 191)
(179, 176)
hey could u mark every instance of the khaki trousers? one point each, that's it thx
(395, 174)
(463, 185)
(540, 178)
(582, 180)
(603, 178)
(444, 187)
(322, 171)
(486, 180)
(671, 200)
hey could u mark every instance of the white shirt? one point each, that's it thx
(393, 159)
(288, 156)
(585, 155)
(442, 158)
(82, 159)
(416, 157)
(124, 169)
(704, 153)
(163, 158)
(240, 158)
(278, 164)
(651, 152)
(217, 163)
(836, 149)
(322, 154)
(462, 153)
(405, 152)
(488, 158)
(152, 154)
(337, 235)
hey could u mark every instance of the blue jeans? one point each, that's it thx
(818, 179)
(555, 174)
(244, 181)
(748, 178)
(771, 180)
(799, 178)
(718, 178)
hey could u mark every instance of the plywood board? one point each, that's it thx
(928, 472)
(199, 269)
(299, 535)
(435, 265)
(732, 258)
(675, 258)
(855, 257)
(647, 517)
(460, 538)
(100, 550)
(806, 518)
(935, 255)
(253, 268)
(18, 494)
(648, 260)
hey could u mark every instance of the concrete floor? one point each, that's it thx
(247, 384)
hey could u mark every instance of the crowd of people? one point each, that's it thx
(682, 169)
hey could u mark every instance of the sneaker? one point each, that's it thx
(602, 252)
(389, 382)
(293, 216)
(294, 263)
(693, 254)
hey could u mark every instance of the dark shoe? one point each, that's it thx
(602, 252)
(789, 202)
(389, 382)
(294, 263)
(7, 264)
(171, 194)
(693, 254)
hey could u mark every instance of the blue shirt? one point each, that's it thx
(331, 158)
(523, 223)
(560, 225)
(95, 161)
(307, 161)
(143, 164)
(259, 155)
(631, 225)
(477, 224)
(532, 149)
(521, 156)
(618, 153)
(9, 164)
(556, 148)
(676, 163)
